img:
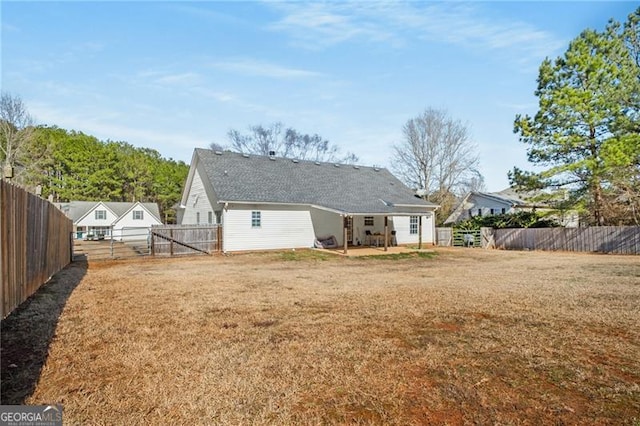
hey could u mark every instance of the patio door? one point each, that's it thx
(348, 223)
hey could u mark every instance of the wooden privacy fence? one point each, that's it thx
(604, 239)
(444, 237)
(172, 240)
(35, 243)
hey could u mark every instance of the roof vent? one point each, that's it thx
(218, 152)
(356, 167)
(317, 163)
(294, 160)
(336, 165)
(376, 169)
(245, 155)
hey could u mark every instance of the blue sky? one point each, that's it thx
(174, 76)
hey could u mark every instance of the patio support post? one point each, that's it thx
(420, 232)
(386, 233)
(344, 233)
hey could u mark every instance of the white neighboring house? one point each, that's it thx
(505, 201)
(268, 202)
(110, 219)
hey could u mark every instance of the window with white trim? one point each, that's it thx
(197, 218)
(101, 215)
(256, 219)
(138, 215)
(210, 217)
(368, 221)
(413, 225)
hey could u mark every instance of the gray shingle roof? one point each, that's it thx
(77, 209)
(344, 188)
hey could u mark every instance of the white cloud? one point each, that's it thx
(107, 125)
(321, 25)
(262, 69)
(188, 78)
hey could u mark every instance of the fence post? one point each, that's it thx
(71, 247)
(171, 242)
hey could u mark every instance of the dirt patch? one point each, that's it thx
(461, 337)
(28, 331)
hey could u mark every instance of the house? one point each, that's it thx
(505, 201)
(117, 220)
(268, 202)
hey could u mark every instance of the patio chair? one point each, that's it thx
(367, 237)
(394, 241)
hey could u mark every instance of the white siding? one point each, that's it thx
(401, 225)
(280, 229)
(326, 224)
(477, 203)
(197, 202)
(129, 228)
(90, 218)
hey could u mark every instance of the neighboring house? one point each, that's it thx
(267, 202)
(117, 220)
(505, 201)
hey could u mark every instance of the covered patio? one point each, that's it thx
(384, 235)
(363, 251)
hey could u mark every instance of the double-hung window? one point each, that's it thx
(413, 225)
(138, 215)
(101, 215)
(256, 219)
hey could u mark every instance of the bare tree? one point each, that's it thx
(215, 146)
(286, 142)
(437, 158)
(16, 130)
(22, 152)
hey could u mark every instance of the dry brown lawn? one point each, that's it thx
(463, 337)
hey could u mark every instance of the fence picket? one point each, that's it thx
(170, 240)
(34, 244)
(604, 239)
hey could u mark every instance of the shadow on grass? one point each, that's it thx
(28, 331)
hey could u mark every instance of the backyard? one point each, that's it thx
(457, 336)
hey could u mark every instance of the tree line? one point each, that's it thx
(66, 165)
(586, 133)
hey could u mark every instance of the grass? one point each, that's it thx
(304, 255)
(402, 256)
(467, 337)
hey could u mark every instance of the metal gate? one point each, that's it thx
(113, 243)
(467, 238)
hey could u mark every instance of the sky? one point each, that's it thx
(174, 76)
